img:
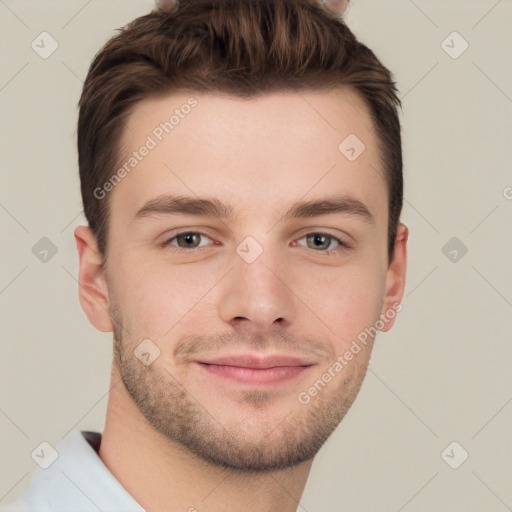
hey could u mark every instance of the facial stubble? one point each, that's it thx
(255, 446)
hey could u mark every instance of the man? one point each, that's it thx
(241, 174)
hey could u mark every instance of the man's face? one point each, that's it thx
(219, 296)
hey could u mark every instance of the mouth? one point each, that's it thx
(256, 369)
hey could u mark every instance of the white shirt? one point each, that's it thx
(77, 481)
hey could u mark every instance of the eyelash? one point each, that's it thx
(343, 246)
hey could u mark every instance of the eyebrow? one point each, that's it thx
(176, 204)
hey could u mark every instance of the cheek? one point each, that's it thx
(156, 298)
(348, 301)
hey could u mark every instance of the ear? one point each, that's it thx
(395, 278)
(92, 286)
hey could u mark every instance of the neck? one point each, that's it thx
(161, 474)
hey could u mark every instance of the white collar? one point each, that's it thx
(78, 480)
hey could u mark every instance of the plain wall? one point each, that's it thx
(441, 375)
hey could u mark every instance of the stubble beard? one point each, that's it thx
(230, 443)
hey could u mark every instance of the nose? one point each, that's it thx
(257, 297)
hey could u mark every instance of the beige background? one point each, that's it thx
(441, 375)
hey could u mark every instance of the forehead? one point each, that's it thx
(264, 150)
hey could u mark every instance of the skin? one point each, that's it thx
(176, 436)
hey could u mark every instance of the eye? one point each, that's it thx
(186, 242)
(319, 242)
(190, 241)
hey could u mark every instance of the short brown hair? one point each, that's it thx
(238, 47)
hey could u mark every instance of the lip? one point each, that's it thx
(257, 361)
(256, 369)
